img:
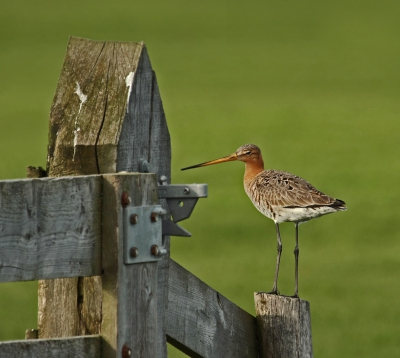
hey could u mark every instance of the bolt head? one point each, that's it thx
(154, 217)
(134, 219)
(134, 252)
(186, 191)
(163, 180)
(125, 199)
(126, 352)
(155, 250)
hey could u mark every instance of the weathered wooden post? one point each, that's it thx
(284, 326)
(130, 291)
(106, 117)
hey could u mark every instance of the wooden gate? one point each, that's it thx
(108, 168)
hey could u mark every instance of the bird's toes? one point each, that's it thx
(274, 292)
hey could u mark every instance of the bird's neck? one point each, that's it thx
(252, 169)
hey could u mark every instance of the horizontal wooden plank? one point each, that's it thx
(203, 323)
(77, 347)
(50, 228)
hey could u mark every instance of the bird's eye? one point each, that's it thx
(248, 153)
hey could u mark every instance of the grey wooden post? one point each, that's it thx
(106, 116)
(284, 326)
(130, 300)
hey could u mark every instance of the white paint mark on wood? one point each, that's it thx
(83, 99)
(129, 83)
(81, 95)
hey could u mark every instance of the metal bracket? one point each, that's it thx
(181, 200)
(143, 234)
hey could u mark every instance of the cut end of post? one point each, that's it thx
(284, 326)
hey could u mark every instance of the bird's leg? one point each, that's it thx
(278, 260)
(296, 258)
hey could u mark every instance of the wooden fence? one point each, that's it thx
(73, 231)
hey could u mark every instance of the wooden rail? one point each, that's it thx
(129, 292)
(50, 228)
(77, 347)
(196, 310)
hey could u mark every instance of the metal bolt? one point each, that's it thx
(126, 352)
(134, 252)
(186, 191)
(155, 250)
(125, 199)
(154, 217)
(134, 219)
(163, 180)
(144, 166)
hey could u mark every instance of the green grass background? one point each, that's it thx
(315, 84)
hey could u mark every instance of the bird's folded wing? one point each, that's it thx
(287, 190)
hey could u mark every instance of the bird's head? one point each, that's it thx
(246, 153)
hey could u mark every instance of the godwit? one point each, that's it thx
(280, 196)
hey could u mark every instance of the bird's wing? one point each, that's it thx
(287, 190)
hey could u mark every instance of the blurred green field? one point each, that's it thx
(315, 84)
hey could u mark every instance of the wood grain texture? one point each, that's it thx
(77, 347)
(84, 134)
(284, 326)
(103, 132)
(203, 323)
(145, 135)
(144, 132)
(129, 291)
(50, 228)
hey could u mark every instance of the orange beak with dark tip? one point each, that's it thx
(229, 158)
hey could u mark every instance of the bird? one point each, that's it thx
(280, 196)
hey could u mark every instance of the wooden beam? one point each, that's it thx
(86, 117)
(89, 106)
(284, 326)
(203, 323)
(50, 228)
(129, 291)
(77, 347)
(106, 116)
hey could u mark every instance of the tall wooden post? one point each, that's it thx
(130, 301)
(106, 116)
(284, 326)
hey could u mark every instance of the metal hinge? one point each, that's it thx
(143, 234)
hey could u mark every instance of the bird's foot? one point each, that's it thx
(273, 292)
(294, 296)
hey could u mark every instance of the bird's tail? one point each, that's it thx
(339, 204)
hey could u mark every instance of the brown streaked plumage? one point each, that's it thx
(280, 196)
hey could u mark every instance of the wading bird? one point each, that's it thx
(280, 196)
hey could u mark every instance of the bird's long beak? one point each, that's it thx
(229, 158)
